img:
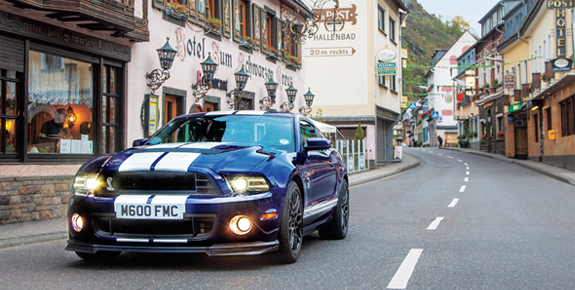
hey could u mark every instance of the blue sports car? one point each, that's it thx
(220, 183)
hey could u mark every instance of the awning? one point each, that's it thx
(324, 128)
(566, 80)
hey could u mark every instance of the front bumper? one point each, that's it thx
(224, 249)
(204, 228)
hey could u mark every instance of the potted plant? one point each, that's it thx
(175, 9)
(214, 23)
(500, 135)
(472, 134)
(247, 42)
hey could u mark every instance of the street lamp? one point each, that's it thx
(158, 76)
(306, 110)
(310, 25)
(201, 88)
(270, 100)
(236, 95)
(288, 106)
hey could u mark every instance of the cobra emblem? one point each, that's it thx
(109, 181)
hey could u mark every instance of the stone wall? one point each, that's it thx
(25, 199)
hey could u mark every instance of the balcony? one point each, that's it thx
(98, 15)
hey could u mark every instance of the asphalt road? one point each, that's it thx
(458, 221)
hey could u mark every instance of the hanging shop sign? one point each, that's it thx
(515, 107)
(561, 64)
(509, 81)
(386, 68)
(386, 54)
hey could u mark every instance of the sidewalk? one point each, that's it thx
(56, 229)
(561, 174)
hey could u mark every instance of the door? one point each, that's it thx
(170, 107)
(319, 175)
(521, 147)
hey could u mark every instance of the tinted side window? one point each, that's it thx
(307, 131)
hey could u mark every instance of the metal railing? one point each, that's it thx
(354, 153)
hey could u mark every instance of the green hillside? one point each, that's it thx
(423, 35)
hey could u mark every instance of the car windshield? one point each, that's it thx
(270, 132)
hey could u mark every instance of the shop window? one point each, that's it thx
(60, 95)
(536, 127)
(549, 125)
(110, 104)
(10, 87)
(568, 116)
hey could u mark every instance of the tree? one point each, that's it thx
(359, 133)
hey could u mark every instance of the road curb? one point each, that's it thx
(33, 239)
(394, 172)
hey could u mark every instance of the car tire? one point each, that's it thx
(337, 228)
(291, 227)
(98, 256)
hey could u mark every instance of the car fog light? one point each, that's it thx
(240, 225)
(77, 222)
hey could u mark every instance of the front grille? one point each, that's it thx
(158, 181)
(192, 226)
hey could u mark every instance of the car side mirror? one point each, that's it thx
(139, 142)
(317, 144)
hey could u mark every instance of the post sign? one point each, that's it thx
(412, 105)
(435, 114)
(386, 72)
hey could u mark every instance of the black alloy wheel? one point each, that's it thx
(337, 228)
(291, 228)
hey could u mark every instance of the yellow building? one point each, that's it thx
(544, 84)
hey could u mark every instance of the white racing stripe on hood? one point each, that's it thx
(202, 145)
(176, 161)
(140, 161)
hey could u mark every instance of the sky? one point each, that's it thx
(470, 10)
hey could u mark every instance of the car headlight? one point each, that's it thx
(86, 183)
(246, 183)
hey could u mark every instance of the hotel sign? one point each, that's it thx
(559, 7)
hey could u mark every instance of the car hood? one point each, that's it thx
(222, 158)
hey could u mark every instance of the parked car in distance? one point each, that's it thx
(220, 183)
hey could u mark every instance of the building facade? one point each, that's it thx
(342, 70)
(75, 82)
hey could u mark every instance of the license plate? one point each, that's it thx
(150, 207)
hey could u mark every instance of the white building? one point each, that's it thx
(341, 69)
(440, 101)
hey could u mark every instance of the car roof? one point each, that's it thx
(241, 112)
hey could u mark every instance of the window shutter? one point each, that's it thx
(227, 18)
(257, 26)
(236, 21)
(192, 16)
(279, 38)
(11, 53)
(264, 30)
(201, 11)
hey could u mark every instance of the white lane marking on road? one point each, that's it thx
(467, 167)
(439, 154)
(467, 173)
(465, 164)
(462, 189)
(450, 157)
(459, 160)
(453, 202)
(433, 226)
(401, 277)
(466, 179)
